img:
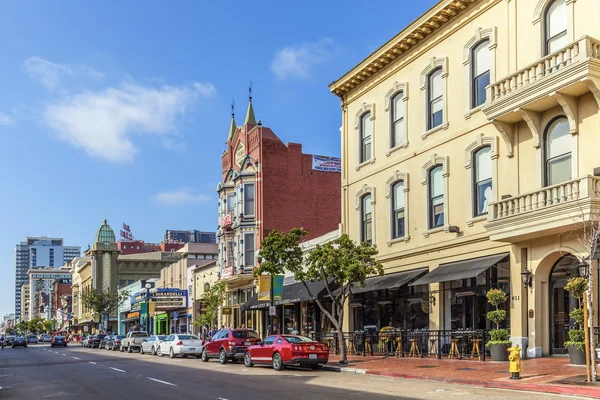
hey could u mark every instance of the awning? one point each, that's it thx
(391, 281)
(292, 293)
(460, 269)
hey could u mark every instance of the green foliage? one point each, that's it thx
(212, 300)
(577, 286)
(496, 297)
(47, 326)
(10, 331)
(35, 325)
(22, 327)
(496, 316)
(576, 336)
(104, 303)
(577, 315)
(280, 251)
(498, 336)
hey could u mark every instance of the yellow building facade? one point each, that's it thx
(468, 147)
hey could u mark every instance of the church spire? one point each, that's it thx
(250, 118)
(233, 126)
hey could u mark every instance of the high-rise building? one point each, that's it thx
(39, 252)
(192, 236)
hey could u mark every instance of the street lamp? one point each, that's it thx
(584, 269)
(148, 286)
(526, 277)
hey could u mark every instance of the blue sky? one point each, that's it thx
(122, 108)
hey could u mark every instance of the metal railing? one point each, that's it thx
(453, 344)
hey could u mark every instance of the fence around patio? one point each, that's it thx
(457, 344)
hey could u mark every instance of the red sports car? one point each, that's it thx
(285, 350)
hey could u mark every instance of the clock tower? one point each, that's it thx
(104, 259)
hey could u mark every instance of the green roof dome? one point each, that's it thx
(105, 233)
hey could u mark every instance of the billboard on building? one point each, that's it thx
(327, 164)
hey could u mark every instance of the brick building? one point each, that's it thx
(268, 185)
(139, 246)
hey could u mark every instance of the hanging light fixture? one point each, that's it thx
(584, 269)
(526, 277)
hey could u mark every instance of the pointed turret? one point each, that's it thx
(232, 128)
(250, 118)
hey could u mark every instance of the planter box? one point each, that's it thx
(576, 355)
(499, 352)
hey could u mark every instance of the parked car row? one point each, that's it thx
(226, 345)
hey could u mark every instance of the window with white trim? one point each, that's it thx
(480, 72)
(435, 99)
(230, 203)
(557, 152)
(482, 180)
(436, 197)
(249, 249)
(249, 199)
(397, 116)
(398, 210)
(366, 133)
(366, 209)
(555, 29)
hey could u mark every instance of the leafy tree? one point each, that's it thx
(213, 300)
(10, 331)
(47, 326)
(104, 303)
(22, 326)
(35, 325)
(340, 264)
(497, 298)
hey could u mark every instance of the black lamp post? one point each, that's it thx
(584, 269)
(148, 286)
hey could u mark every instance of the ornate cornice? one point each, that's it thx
(404, 42)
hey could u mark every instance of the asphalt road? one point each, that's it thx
(39, 372)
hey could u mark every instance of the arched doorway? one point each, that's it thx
(561, 302)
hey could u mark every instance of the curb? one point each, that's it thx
(527, 387)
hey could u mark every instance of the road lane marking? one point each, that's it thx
(77, 358)
(117, 369)
(163, 382)
(91, 362)
(63, 354)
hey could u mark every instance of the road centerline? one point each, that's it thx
(91, 362)
(117, 369)
(163, 382)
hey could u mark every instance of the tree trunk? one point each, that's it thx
(342, 344)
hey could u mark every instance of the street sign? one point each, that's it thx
(272, 310)
(175, 315)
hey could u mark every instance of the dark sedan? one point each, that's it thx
(58, 341)
(104, 341)
(114, 343)
(19, 341)
(94, 341)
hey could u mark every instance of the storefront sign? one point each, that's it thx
(131, 315)
(226, 310)
(226, 221)
(227, 272)
(327, 164)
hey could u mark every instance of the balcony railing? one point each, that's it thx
(580, 188)
(540, 77)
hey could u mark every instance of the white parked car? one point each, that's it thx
(151, 345)
(180, 344)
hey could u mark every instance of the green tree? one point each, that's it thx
(10, 331)
(35, 325)
(212, 300)
(104, 303)
(340, 264)
(22, 326)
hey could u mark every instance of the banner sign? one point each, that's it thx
(277, 287)
(264, 287)
(135, 314)
(327, 164)
(227, 272)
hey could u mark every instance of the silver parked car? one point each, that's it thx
(151, 345)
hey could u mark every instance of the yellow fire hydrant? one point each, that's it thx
(515, 362)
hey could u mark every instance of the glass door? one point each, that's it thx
(561, 302)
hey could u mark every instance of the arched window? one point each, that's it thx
(366, 131)
(435, 99)
(398, 210)
(482, 180)
(555, 29)
(397, 119)
(436, 197)
(480, 73)
(557, 149)
(366, 209)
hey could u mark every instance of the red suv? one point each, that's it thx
(229, 344)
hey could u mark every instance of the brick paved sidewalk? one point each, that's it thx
(548, 374)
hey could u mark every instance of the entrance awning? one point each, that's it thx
(460, 269)
(391, 281)
(292, 293)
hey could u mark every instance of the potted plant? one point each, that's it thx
(499, 342)
(576, 343)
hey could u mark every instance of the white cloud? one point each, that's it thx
(51, 74)
(6, 119)
(205, 89)
(181, 197)
(298, 60)
(104, 123)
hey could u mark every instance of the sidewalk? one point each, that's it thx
(547, 375)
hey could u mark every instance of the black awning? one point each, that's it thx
(460, 269)
(391, 281)
(292, 293)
